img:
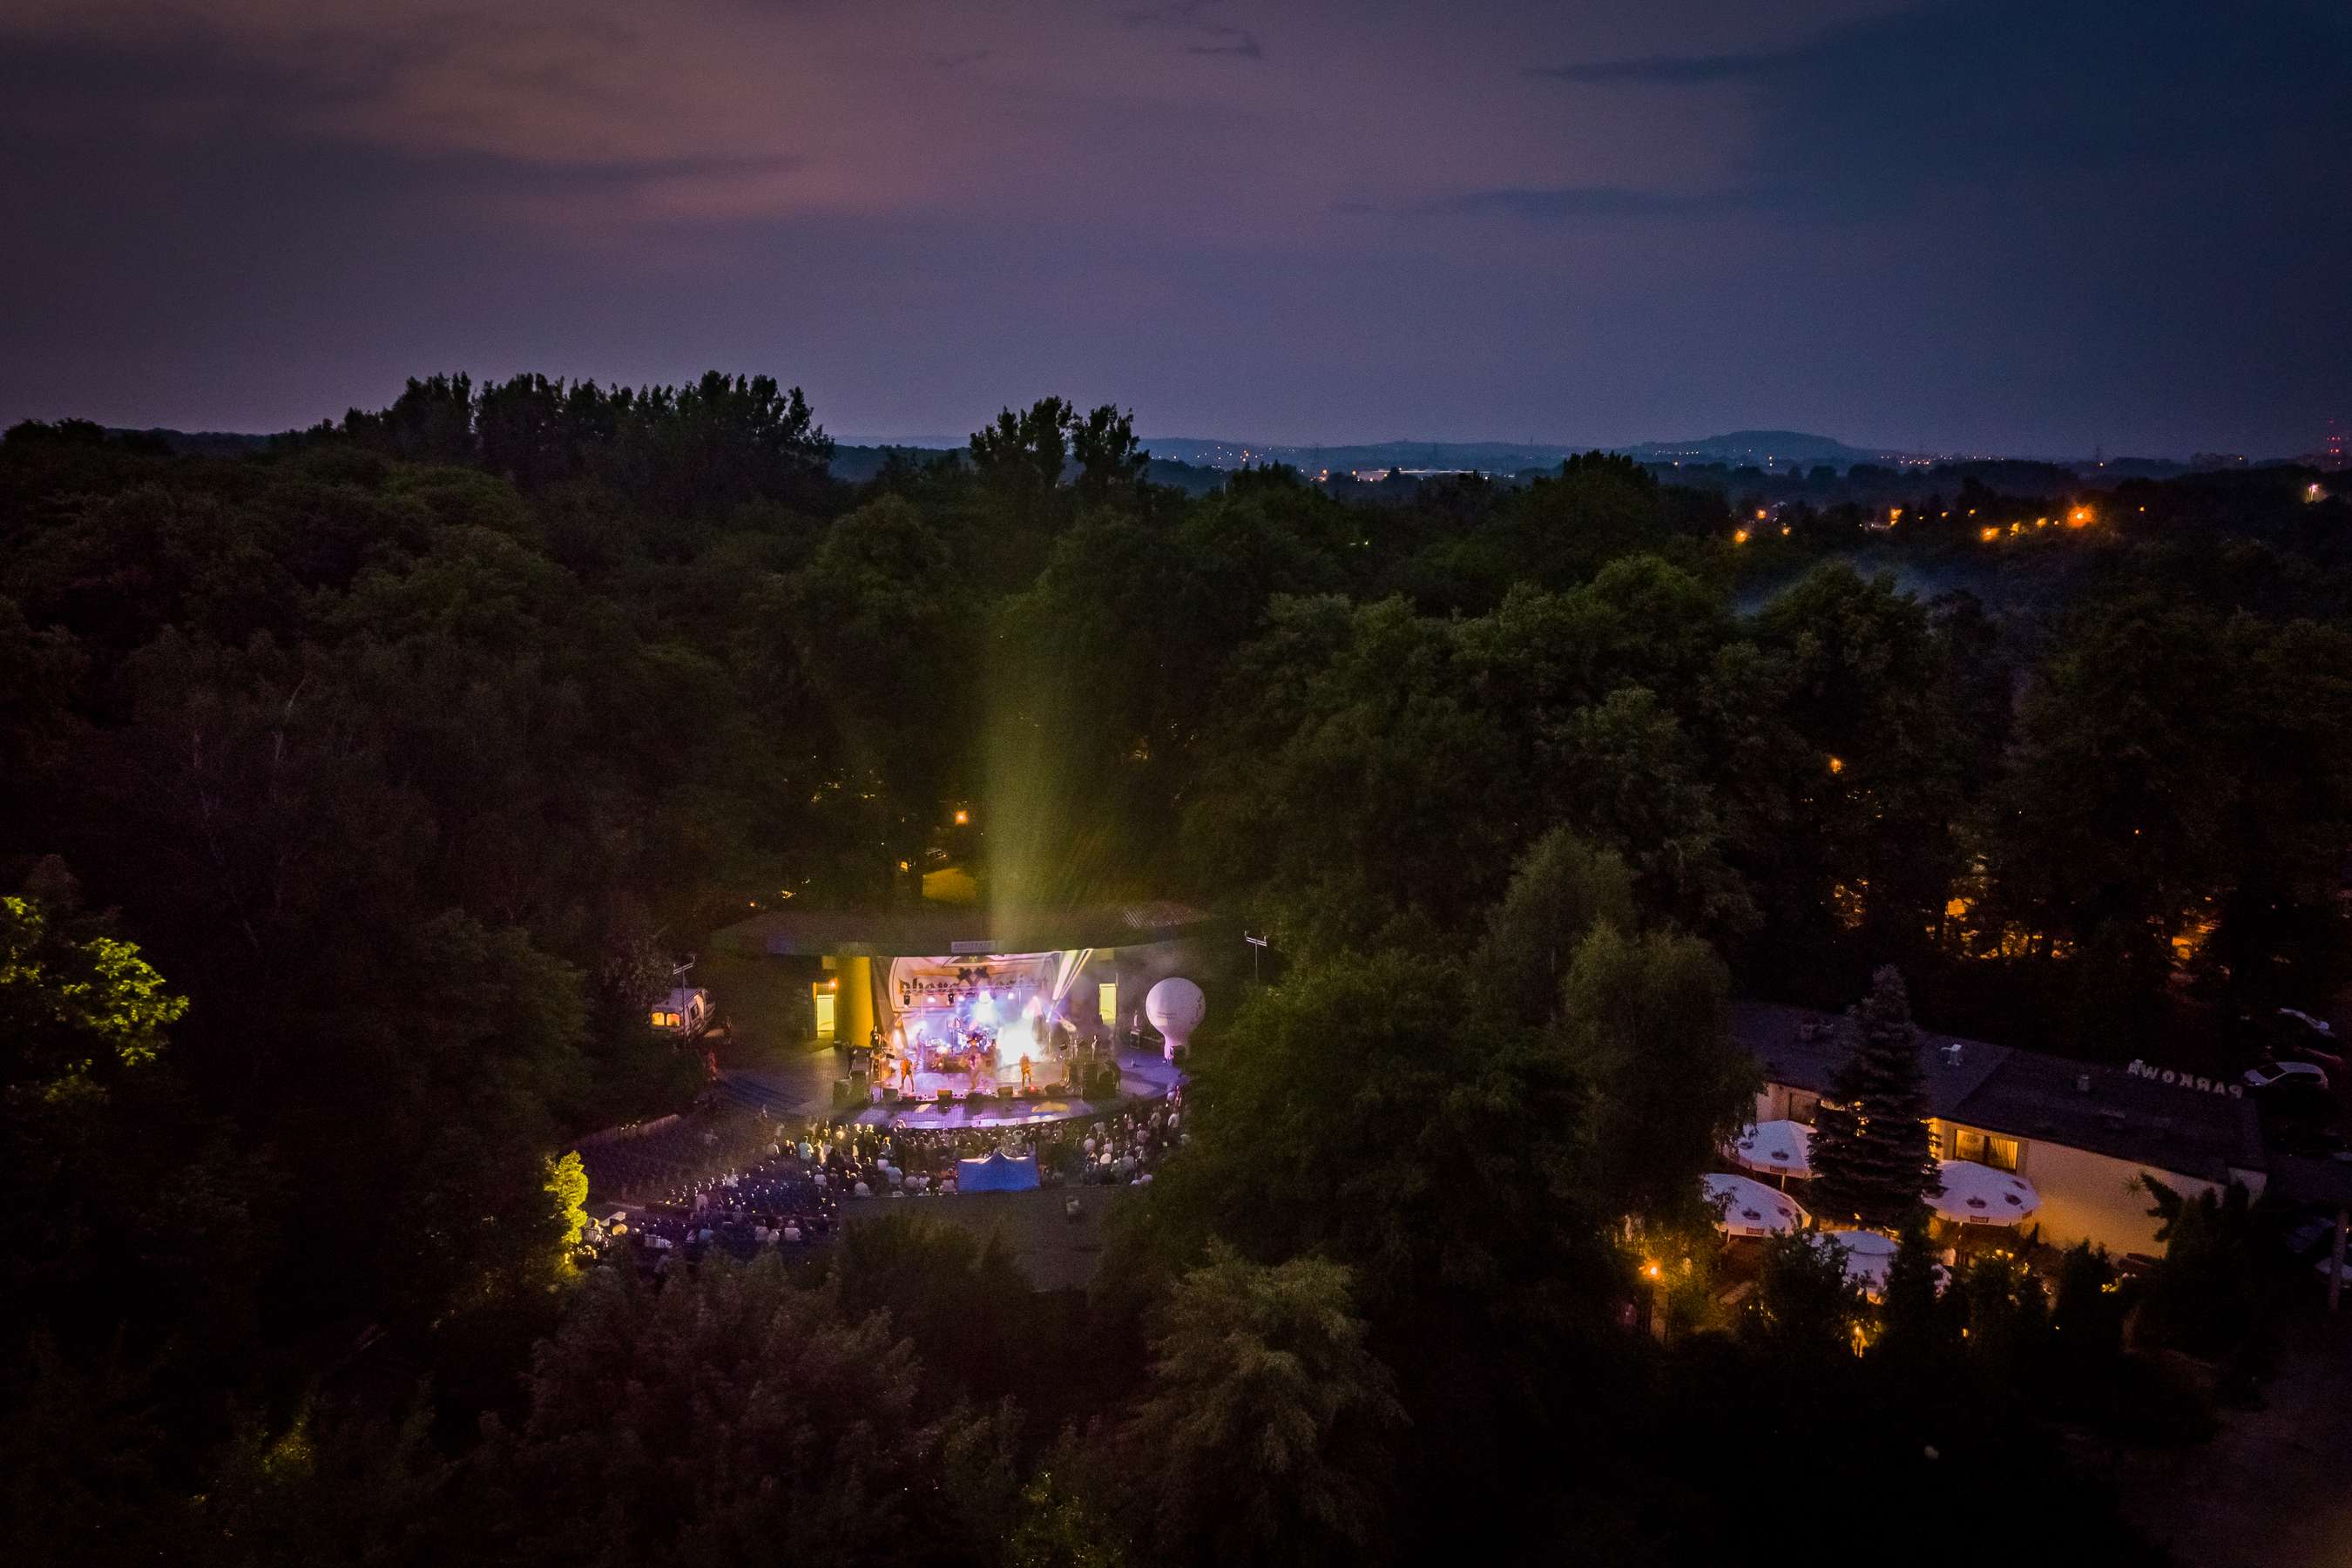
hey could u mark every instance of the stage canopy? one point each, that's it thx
(997, 1173)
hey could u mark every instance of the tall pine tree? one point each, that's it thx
(1871, 1162)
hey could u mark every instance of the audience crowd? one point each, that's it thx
(791, 1197)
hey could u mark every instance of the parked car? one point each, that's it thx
(2298, 1075)
(2314, 1236)
(2307, 1039)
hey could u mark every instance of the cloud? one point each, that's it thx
(1879, 113)
(1564, 204)
(1663, 70)
(1185, 16)
(1244, 44)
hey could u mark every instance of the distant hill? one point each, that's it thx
(203, 443)
(859, 465)
(1197, 464)
(1776, 448)
(1740, 448)
(1482, 457)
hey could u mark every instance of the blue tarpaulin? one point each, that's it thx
(997, 1173)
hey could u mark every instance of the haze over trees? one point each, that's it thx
(359, 793)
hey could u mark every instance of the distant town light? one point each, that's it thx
(1837, 764)
(1739, 536)
(962, 817)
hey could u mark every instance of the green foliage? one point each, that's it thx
(74, 1011)
(567, 1185)
(327, 1488)
(962, 1304)
(732, 1415)
(1061, 1527)
(1348, 1113)
(1804, 1308)
(1561, 889)
(1267, 1424)
(2177, 765)
(2200, 1295)
(414, 752)
(1869, 1156)
(1646, 1027)
(1918, 1349)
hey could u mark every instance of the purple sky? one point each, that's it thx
(2016, 226)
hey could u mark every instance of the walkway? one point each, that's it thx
(2269, 1491)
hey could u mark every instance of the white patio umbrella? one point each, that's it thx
(1868, 1255)
(1782, 1148)
(1745, 1207)
(1979, 1195)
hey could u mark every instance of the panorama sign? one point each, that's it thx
(2187, 1080)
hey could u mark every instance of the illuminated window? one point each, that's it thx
(823, 1013)
(1984, 1149)
(1107, 1001)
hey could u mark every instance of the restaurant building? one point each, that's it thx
(2084, 1134)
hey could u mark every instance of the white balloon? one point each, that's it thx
(1175, 1007)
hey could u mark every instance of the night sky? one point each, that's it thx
(2024, 227)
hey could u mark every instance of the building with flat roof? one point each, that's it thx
(2083, 1133)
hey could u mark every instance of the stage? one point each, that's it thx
(1140, 1078)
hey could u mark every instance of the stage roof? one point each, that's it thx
(939, 931)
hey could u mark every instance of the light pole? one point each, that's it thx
(1257, 946)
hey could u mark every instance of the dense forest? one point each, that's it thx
(360, 790)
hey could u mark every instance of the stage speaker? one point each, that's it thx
(840, 1092)
(858, 1085)
(947, 1097)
